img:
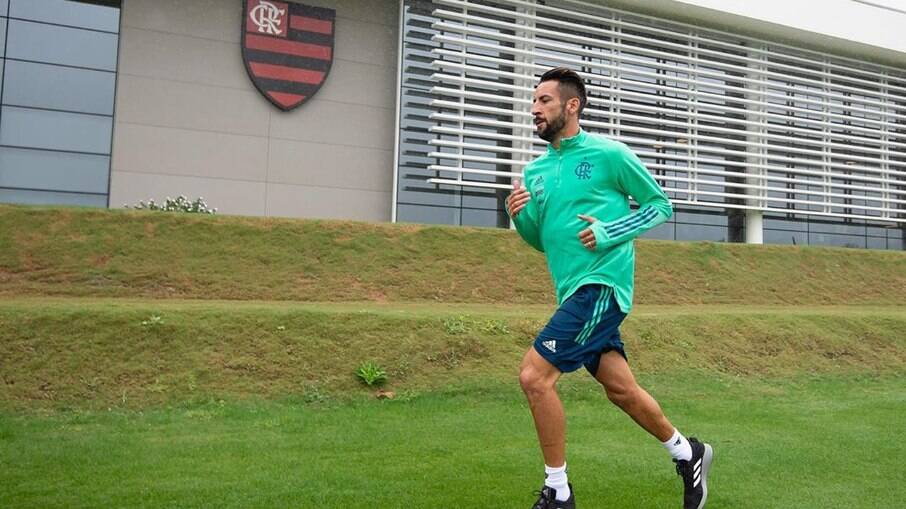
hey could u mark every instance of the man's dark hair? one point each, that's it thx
(571, 84)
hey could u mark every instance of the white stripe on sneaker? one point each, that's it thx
(708, 458)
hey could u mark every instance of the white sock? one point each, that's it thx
(678, 446)
(556, 478)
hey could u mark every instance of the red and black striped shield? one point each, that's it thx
(287, 48)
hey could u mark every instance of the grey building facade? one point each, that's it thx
(760, 130)
(190, 122)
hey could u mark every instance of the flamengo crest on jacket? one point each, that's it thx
(287, 49)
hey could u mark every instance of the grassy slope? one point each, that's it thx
(97, 353)
(118, 268)
(170, 414)
(86, 252)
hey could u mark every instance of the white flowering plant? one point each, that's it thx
(180, 204)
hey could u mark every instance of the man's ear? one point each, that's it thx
(572, 105)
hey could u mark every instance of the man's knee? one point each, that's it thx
(532, 381)
(528, 379)
(621, 394)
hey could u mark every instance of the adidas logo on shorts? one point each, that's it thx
(550, 345)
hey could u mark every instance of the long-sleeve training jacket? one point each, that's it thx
(593, 176)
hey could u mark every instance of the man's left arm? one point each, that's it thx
(654, 206)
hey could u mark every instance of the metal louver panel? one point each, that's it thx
(721, 120)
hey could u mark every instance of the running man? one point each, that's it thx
(573, 205)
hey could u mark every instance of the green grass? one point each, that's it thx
(806, 442)
(163, 360)
(117, 253)
(81, 353)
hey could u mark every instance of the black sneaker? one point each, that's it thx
(547, 499)
(695, 474)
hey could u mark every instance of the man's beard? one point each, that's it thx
(553, 127)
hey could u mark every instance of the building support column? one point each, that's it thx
(754, 227)
(755, 174)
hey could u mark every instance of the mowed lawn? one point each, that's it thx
(169, 361)
(825, 441)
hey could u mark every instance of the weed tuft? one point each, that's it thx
(371, 373)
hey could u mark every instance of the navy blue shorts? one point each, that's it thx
(584, 327)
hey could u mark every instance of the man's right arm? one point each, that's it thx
(524, 213)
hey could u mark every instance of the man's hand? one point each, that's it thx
(516, 201)
(586, 236)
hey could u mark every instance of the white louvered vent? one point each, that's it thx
(720, 120)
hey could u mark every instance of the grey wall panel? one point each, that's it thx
(427, 214)
(287, 200)
(227, 196)
(162, 102)
(482, 217)
(785, 237)
(188, 114)
(382, 12)
(187, 152)
(366, 42)
(305, 163)
(665, 231)
(51, 198)
(828, 239)
(42, 169)
(358, 83)
(56, 87)
(207, 19)
(701, 232)
(65, 12)
(55, 130)
(338, 124)
(219, 19)
(156, 54)
(876, 243)
(2, 36)
(61, 45)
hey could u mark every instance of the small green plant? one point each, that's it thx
(402, 369)
(371, 373)
(456, 353)
(180, 204)
(313, 394)
(152, 321)
(495, 327)
(157, 386)
(449, 358)
(456, 325)
(92, 384)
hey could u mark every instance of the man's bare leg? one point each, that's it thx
(621, 388)
(538, 379)
(692, 456)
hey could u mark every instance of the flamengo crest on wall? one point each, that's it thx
(287, 49)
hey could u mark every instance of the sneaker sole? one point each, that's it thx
(707, 458)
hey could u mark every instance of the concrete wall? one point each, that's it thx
(189, 120)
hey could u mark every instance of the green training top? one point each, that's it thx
(593, 176)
